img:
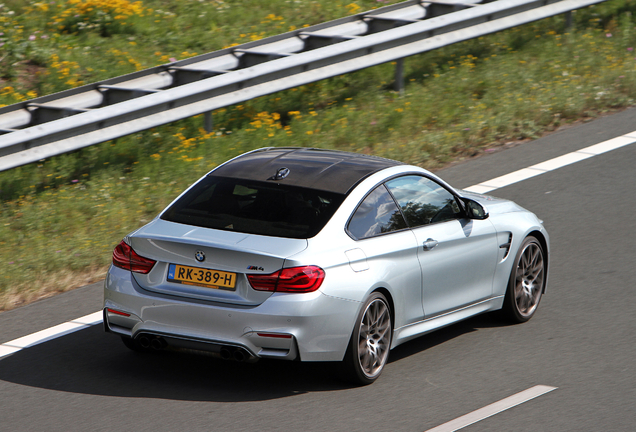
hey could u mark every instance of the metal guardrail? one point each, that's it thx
(94, 113)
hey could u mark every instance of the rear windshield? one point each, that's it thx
(255, 207)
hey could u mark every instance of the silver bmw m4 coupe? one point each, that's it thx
(319, 255)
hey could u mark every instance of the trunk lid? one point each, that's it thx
(227, 255)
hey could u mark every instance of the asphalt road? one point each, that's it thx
(581, 340)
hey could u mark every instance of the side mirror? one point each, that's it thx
(475, 210)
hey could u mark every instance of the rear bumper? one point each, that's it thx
(309, 327)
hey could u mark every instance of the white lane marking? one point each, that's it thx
(7, 350)
(492, 409)
(508, 179)
(609, 145)
(561, 161)
(91, 319)
(44, 335)
(16, 345)
(553, 164)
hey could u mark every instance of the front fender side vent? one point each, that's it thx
(506, 247)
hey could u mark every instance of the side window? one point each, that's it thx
(423, 201)
(377, 214)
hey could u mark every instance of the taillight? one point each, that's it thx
(125, 257)
(293, 280)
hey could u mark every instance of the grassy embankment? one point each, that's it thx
(60, 219)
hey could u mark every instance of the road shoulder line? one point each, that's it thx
(493, 408)
(16, 345)
(553, 164)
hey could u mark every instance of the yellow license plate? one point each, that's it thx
(201, 277)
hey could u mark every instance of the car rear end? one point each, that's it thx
(211, 273)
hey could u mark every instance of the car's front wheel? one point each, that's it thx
(370, 342)
(526, 282)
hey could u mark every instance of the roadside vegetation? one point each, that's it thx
(61, 217)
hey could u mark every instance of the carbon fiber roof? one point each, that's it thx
(328, 170)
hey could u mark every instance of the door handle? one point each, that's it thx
(430, 244)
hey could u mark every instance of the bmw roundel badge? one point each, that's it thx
(199, 255)
(280, 174)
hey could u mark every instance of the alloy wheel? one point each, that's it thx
(529, 278)
(374, 338)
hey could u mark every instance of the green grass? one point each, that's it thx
(60, 218)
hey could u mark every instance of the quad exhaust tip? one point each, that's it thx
(226, 352)
(233, 353)
(149, 342)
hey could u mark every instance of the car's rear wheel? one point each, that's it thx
(526, 282)
(370, 342)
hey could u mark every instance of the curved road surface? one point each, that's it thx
(582, 340)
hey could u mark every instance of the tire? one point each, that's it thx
(370, 342)
(526, 283)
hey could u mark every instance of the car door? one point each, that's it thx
(457, 255)
(390, 249)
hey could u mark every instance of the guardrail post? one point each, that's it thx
(399, 76)
(208, 122)
(568, 20)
